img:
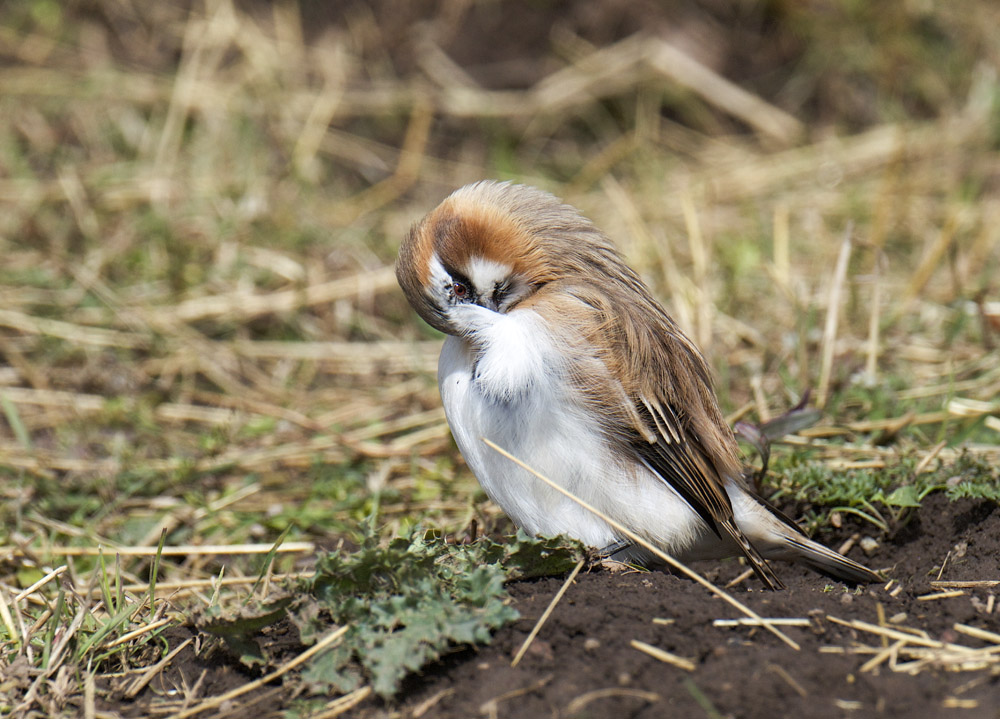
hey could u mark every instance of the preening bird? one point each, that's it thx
(558, 353)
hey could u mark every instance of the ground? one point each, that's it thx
(582, 662)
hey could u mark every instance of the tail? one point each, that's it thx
(782, 538)
(826, 561)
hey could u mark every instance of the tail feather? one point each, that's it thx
(828, 562)
(787, 541)
(757, 562)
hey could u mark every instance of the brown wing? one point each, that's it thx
(678, 430)
(680, 462)
(671, 457)
(652, 387)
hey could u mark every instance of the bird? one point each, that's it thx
(558, 352)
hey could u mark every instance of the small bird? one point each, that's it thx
(557, 352)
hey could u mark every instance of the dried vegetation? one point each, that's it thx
(204, 349)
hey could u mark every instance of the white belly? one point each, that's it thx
(530, 412)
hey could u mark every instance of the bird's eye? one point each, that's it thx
(460, 290)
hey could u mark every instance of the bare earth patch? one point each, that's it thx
(584, 662)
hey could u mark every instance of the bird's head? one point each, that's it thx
(492, 245)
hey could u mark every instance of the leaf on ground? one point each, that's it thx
(414, 599)
(529, 557)
(905, 496)
(406, 603)
(240, 628)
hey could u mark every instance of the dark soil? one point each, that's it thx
(740, 672)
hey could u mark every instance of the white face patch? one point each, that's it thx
(487, 274)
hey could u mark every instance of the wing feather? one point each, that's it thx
(652, 389)
(677, 429)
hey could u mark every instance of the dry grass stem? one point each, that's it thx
(75, 334)
(180, 550)
(782, 255)
(242, 306)
(740, 578)
(941, 595)
(141, 681)
(351, 357)
(545, 615)
(760, 398)
(956, 703)
(850, 156)
(923, 651)
(8, 619)
(872, 354)
(341, 705)
(929, 263)
(181, 587)
(321, 645)
(788, 679)
(89, 696)
(135, 634)
(431, 701)
(748, 622)
(926, 460)
(985, 635)
(711, 87)
(35, 586)
(829, 345)
(699, 264)
(662, 655)
(889, 652)
(491, 706)
(580, 702)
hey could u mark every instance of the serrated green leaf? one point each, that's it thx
(414, 598)
(239, 629)
(906, 496)
(247, 621)
(332, 671)
(529, 557)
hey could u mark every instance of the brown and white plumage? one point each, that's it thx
(559, 353)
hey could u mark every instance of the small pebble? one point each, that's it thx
(868, 544)
(897, 618)
(542, 649)
(846, 598)
(624, 679)
(980, 606)
(591, 644)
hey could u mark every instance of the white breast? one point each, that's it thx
(511, 387)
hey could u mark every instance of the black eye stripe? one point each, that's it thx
(457, 276)
(500, 290)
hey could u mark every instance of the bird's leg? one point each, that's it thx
(615, 547)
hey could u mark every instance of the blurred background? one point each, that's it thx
(201, 202)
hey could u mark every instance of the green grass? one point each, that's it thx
(882, 496)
